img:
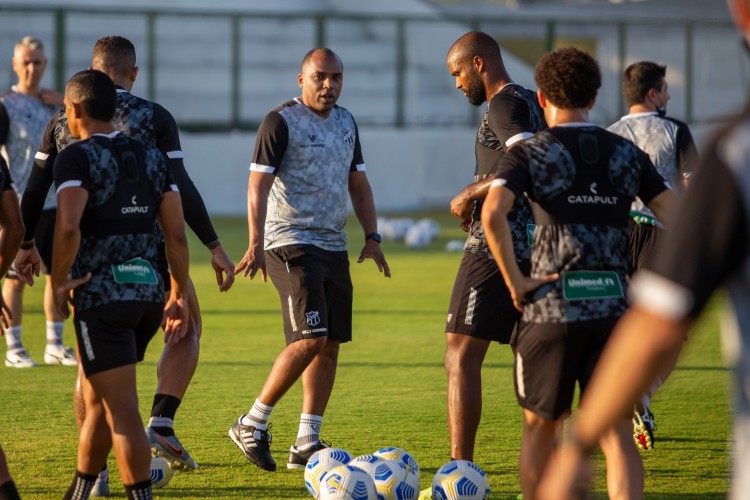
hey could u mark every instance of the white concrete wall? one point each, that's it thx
(409, 169)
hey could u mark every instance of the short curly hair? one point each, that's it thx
(569, 78)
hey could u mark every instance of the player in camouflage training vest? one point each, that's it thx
(110, 190)
(581, 181)
(152, 124)
(707, 247)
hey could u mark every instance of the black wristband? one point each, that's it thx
(213, 244)
(27, 245)
(374, 236)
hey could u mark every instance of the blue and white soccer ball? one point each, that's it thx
(320, 463)
(417, 237)
(161, 473)
(421, 234)
(460, 480)
(346, 482)
(400, 455)
(366, 462)
(394, 481)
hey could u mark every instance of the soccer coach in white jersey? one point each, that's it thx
(307, 158)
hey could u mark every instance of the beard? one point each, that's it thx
(476, 92)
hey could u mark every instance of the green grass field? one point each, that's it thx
(390, 390)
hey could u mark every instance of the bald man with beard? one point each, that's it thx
(481, 310)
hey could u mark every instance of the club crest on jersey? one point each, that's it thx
(349, 137)
(313, 318)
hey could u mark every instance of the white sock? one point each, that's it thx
(55, 333)
(309, 429)
(13, 338)
(257, 416)
(161, 422)
(646, 399)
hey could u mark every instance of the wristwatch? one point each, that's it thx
(374, 236)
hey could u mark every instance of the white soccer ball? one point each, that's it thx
(346, 482)
(400, 455)
(431, 227)
(161, 473)
(460, 480)
(394, 229)
(366, 462)
(395, 481)
(455, 246)
(320, 463)
(417, 237)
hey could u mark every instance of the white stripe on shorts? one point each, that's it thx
(87, 341)
(469, 319)
(519, 376)
(291, 314)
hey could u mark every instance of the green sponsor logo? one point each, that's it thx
(136, 270)
(583, 285)
(642, 219)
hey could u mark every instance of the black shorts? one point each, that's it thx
(43, 238)
(552, 357)
(315, 289)
(115, 334)
(480, 303)
(643, 242)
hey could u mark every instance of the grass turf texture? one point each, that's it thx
(390, 389)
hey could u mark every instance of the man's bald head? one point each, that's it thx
(320, 50)
(475, 43)
(475, 61)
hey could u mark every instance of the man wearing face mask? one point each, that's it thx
(670, 146)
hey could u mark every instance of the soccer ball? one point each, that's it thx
(161, 473)
(394, 481)
(422, 233)
(366, 462)
(417, 237)
(400, 455)
(460, 480)
(320, 463)
(347, 482)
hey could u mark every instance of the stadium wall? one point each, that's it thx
(220, 68)
(409, 169)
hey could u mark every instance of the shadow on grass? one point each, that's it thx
(672, 439)
(702, 368)
(350, 364)
(684, 496)
(375, 312)
(250, 491)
